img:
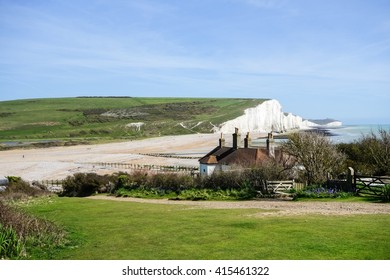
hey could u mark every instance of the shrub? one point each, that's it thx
(370, 154)
(85, 184)
(145, 193)
(13, 179)
(20, 189)
(220, 181)
(122, 182)
(131, 181)
(207, 194)
(376, 148)
(356, 157)
(195, 194)
(246, 191)
(169, 182)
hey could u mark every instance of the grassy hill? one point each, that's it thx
(110, 118)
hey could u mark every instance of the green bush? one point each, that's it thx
(195, 194)
(144, 193)
(85, 184)
(122, 182)
(207, 194)
(159, 183)
(220, 181)
(169, 181)
(13, 179)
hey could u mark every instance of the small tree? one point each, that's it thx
(316, 154)
(376, 150)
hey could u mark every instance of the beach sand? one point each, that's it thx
(59, 162)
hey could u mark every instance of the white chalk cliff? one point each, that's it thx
(267, 117)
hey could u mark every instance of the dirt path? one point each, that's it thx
(274, 207)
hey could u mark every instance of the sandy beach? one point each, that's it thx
(59, 162)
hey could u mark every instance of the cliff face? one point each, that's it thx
(266, 117)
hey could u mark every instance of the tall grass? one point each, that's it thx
(21, 233)
(11, 246)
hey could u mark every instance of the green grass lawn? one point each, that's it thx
(85, 118)
(100, 229)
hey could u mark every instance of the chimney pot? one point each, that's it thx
(221, 141)
(270, 145)
(247, 141)
(236, 139)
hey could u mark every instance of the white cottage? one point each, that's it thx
(223, 158)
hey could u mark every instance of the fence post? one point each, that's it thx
(351, 185)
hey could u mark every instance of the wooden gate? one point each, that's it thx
(279, 186)
(371, 185)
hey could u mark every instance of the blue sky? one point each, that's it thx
(318, 58)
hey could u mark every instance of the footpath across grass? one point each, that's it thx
(103, 229)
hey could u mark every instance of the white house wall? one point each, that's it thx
(207, 169)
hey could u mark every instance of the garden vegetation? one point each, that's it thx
(22, 234)
(219, 186)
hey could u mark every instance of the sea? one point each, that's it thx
(352, 133)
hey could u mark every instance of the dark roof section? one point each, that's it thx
(241, 156)
(218, 153)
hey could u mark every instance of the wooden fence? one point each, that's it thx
(146, 167)
(169, 155)
(51, 185)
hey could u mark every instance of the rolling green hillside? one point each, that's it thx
(110, 118)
